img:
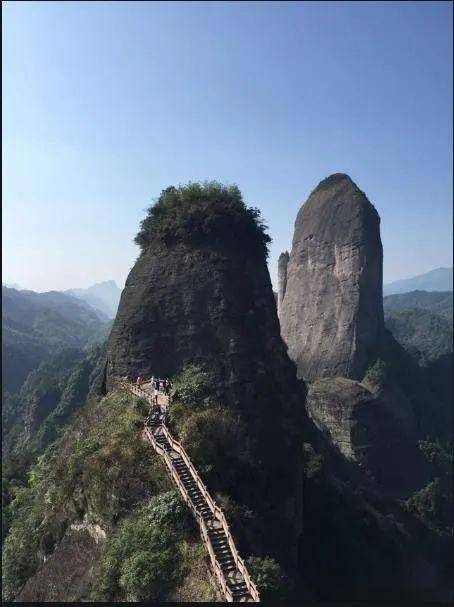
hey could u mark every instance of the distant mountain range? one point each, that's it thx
(37, 326)
(103, 296)
(439, 279)
(422, 322)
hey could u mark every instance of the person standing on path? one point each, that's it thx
(156, 391)
(167, 386)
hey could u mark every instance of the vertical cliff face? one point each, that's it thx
(200, 293)
(331, 311)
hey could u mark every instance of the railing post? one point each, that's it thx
(216, 511)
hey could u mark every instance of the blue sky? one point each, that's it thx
(105, 104)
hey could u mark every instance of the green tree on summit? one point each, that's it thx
(203, 213)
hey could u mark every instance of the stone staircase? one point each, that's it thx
(229, 568)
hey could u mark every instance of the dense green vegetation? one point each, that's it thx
(101, 472)
(270, 580)
(142, 560)
(421, 322)
(213, 436)
(425, 335)
(36, 415)
(38, 326)
(377, 374)
(98, 470)
(437, 302)
(434, 503)
(99, 467)
(203, 213)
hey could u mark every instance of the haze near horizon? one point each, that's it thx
(106, 104)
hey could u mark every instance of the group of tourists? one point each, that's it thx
(158, 386)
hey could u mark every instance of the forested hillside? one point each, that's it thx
(37, 326)
(422, 323)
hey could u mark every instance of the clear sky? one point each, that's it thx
(105, 104)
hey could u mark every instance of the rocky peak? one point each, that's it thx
(282, 276)
(200, 293)
(330, 289)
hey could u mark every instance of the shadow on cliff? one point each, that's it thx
(359, 544)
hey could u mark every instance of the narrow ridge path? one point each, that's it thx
(229, 568)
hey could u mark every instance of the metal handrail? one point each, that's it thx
(217, 512)
(215, 509)
(203, 528)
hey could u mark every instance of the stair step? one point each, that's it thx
(218, 538)
(223, 554)
(223, 542)
(241, 595)
(226, 554)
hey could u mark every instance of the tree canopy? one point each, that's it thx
(203, 213)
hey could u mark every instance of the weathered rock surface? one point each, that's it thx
(282, 277)
(213, 305)
(374, 429)
(331, 304)
(68, 573)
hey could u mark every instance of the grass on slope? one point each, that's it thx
(100, 471)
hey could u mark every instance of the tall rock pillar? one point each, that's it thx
(331, 312)
(282, 277)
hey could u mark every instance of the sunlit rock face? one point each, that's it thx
(330, 290)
